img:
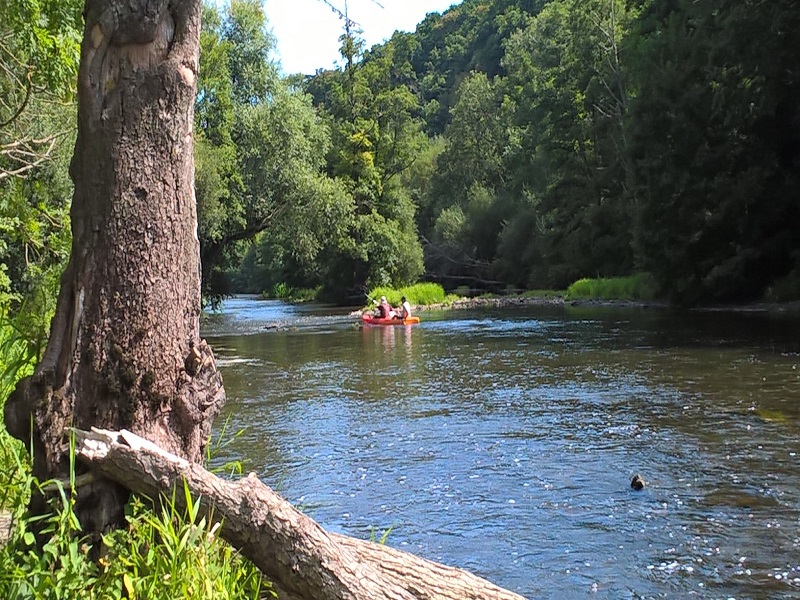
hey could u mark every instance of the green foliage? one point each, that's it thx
(715, 135)
(167, 554)
(60, 569)
(39, 51)
(164, 553)
(282, 291)
(22, 341)
(786, 289)
(568, 83)
(173, 553)
(35, 235)
(14, 468)
(260, 156)
(376, 135)
(450, 224)
(476, 139)
(610, 137)
(43, 38)
(640, 286)
(418, 294)
(468, 37)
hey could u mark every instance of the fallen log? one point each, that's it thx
(303, 561)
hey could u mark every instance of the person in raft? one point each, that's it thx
(384, 310)
(405, 309)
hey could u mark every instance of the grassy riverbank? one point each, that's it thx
(162, 554)
(635, 291)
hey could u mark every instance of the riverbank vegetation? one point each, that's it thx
(163, 553)
(462, 153)
(182, 556)
(420, 294)
(640, 287)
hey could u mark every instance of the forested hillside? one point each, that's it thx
(515, 144)
(569, 138)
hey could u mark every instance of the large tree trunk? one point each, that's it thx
(302, 559)
(124, 347)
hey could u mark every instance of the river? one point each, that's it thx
(504, 441)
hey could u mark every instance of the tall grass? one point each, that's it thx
(18, 355)
(173, 553)
(419, 294)
(635, 287)
(164, 553)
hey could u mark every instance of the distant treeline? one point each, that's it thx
(506, 144)
(577, 138)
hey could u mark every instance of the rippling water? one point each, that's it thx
(504, 441)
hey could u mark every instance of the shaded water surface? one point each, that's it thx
(504, 441)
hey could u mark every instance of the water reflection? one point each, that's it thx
(389, 337)
(514, 434)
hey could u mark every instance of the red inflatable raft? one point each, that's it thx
(368, 319)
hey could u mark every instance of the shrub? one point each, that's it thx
(18, 355)
(635, 287)
(785, 290)
(419, 294)
(163, 554)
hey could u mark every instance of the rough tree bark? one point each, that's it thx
(302, 559)
(124, 347)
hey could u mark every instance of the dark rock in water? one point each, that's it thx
(637, 483)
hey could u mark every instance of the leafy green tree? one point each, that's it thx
(377, 137)
(34, 236)
(716, 127)
(39, 44)
(476, 140)
(469, 186)
(566, 78)
(468, 37)
(261, 150)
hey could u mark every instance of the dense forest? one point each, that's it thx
(503, 145)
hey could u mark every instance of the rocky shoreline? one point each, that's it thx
(511, 301)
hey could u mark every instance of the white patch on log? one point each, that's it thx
(97, 36)
(134, 57)
(186, 74)
(73, 339)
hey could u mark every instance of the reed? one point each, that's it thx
(635, 287)
(164, 553)
(418, 294)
